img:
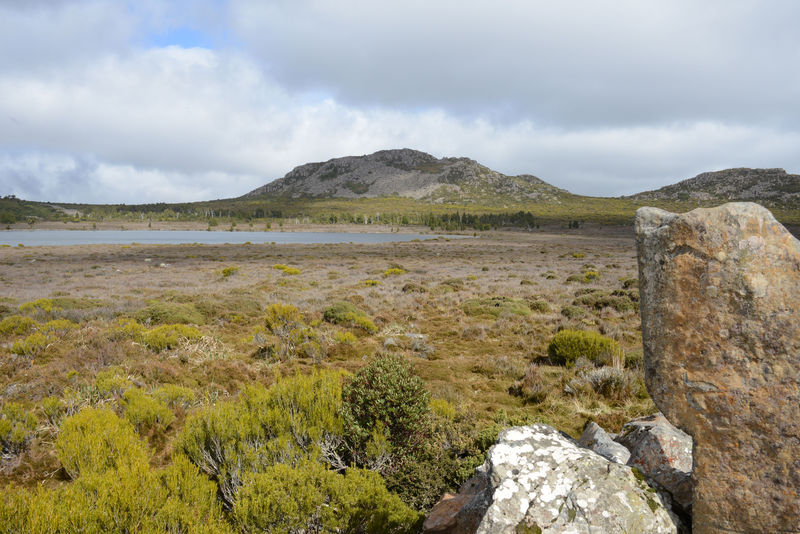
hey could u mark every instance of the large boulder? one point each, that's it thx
(540, 480)
(720, 305)
(662, 453)
(598, 440)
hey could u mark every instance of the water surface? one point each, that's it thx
(30, 238)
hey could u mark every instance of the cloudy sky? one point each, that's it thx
(155, 100)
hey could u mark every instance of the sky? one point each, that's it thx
(135, 101)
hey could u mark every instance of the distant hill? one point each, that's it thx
(769, 186)
(408, 173)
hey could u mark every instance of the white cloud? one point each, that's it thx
(590, 102)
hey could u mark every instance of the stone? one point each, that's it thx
(540, 480)
(598, 440)
(663, 454)
(720, 305)
(461, 513)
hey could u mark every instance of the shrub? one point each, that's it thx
(443, 408)
(345, 338)
(610, 382)
(540, 306)
(131, 499)
(59, 326)
(95, 440)
(145, 412)
(531, 388)
(295, 338)
(385, 392)
(600, 299)
(228, 271)
(38, 305)
(630, 283)
(278, 316)
(112, 382)
(496, 306)
(18, 325)
(126, 329)
(573, 312)
(31, 345)
(345, 313)
(370, 283)
(159, 312)
(286, 269)
(54, 410)
(296, 418)
(311, 498)
(169, 336)
(411, 287)
(175, 396)
(16, 428)
(393, 271)
(590, 276)
(568, 345)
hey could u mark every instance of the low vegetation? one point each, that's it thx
(346, 389)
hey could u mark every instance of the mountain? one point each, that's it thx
(407, 173)
(770, 186)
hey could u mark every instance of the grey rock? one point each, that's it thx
(663, 453)
(598, 440)
(542, 481)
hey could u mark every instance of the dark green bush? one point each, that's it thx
(569, 345)
(386, 394)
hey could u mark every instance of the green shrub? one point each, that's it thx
(496, 306)
(573, 312)
(17, 325)
(411, 287)
(590, 276)
(145, 412)
(160, 312)
(131, 499)
(112, 382)
(531, 388)
(569, 345)
(39, 305)
(296, 418)
(169, 336)
(286, 269)
(630, 283)
(279, 316)
(393, 271)
(175, 396)
(30, 346)
(54, 410)
(294, 337)
(95, 440)
(615, 384)
(370, 283)
(59, 327)
(228, 271)
(600, 299)
(443, 408)
(345, 338)
(126, 328)
(540, 306)
(386, 393)
(345, 313)
(311, 498)
(16, 428)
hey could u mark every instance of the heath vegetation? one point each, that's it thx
(288, 388)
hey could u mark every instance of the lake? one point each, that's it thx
(32, 238)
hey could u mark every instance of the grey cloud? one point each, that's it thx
(559, 63)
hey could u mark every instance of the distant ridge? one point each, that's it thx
(407, 173)
(771, 186)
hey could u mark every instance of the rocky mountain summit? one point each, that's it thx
(407, 173)
(774, 186)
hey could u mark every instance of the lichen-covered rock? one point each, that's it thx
(542, 481)
(662, 453)
(720, 304)
(598, 440)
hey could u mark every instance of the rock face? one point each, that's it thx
(598, 440)
(539, 480)
(461, 513)
(662, 453)
(720, 304)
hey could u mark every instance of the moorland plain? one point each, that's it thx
(474, 317)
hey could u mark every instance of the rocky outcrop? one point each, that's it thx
(720, 301)
(663, 454)
(407, 173)
(539, 480)
(598, 440)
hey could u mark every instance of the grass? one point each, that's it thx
(188, 337)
